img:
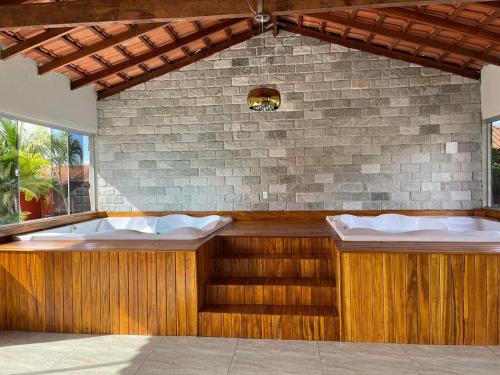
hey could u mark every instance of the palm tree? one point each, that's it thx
(8, 168)
(65, 151)
(21, 170)
(8, 134)
(32, 180)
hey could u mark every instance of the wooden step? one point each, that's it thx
(271, 309)
(227, 254)
(272, 266)
(269, 322)
(271, 291)
(297, 247)
(306, 281)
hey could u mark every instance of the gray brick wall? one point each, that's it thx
(355, 131)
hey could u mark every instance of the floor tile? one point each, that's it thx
(449, 353)
(495, 349)
(104, 368)
(123, 343)
(453, 359)
(190, 355)
(456, 352)
(275, 357)
(21, 359)
(23, 353)
(100, 360)
(64, 340)
(453, 368)
(361, 358)
(348, 348)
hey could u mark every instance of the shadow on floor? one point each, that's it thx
(13, 338)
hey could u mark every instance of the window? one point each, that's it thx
(44, 172)
(79, 179)
(495, 164)
(9, 159)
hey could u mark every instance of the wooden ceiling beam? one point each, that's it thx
(94, 48)
(40, 49)
(34, 42)
(395, 34)
(88, 12)
(206, 52)
(494, 5)
(459, 8)
(157, 52)
(12, 2)
(274, 21)
(444, 23)
(361, 46)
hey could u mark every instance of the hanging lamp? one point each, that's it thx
(263, 99)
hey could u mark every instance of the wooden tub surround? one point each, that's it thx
(236, 284)
(117, 291)
(415, 293)
(263, 276)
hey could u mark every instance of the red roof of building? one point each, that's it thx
(76, 173)
(495, 137)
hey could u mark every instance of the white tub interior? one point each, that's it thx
(170, 227)
(394, 227)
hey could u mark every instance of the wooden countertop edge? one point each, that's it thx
(106, 245)
(76, 249)
(414, 247)
(417, 247)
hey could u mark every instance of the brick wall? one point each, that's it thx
(355, 131)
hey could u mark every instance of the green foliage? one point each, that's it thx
(25, 162)
(32, 180)
(8, 166)
(495, 176)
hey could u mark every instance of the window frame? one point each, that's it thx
(92, 176)
(489, 180)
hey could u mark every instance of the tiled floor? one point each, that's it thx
(36, 353)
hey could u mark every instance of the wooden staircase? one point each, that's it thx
(277, 288)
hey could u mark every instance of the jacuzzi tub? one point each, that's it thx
(393, 227)
(170, 227)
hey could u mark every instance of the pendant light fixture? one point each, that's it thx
(263, 99)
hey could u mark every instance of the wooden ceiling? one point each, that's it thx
(117, 44)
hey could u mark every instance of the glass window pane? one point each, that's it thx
(35, 181)
(79, 169)
(43, 171)
(9, 189)
(495, 164)
(60, 172)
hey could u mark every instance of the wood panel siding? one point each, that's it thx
(270, 322)
(205, 268)
(420, 298)
(253, 280)
(103, 292)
